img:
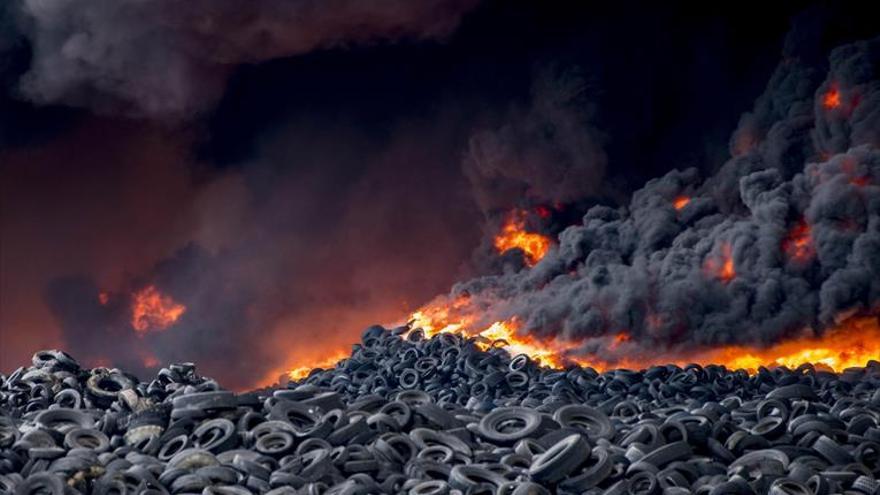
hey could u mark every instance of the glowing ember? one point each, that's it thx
(514, 236)
(153, 311)
(721, 267)
(103, 298)
(799, 243)
(831, 99)
(680, 202)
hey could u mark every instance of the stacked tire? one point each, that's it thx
(407, 414)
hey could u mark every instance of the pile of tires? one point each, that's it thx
(407, 414)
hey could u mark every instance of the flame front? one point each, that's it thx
(514, 236)
(853, 343)
(152, 311)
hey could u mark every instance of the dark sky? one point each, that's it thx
(297, 189)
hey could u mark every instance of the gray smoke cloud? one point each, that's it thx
(658, 272)
(167, 58)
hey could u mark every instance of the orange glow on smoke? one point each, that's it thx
(153, 311)
(860, 181)
(721, 267)
(831, 99)
(514, 236)
(799, 243)
(543, 211)
(680, 202)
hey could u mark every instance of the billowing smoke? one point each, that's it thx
(786, 237)
(164, 58)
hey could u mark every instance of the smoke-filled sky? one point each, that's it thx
(292, 172)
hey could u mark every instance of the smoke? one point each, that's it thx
(280, 266)
(718, 271)
(170, 59)
(547, 153)
(348, 182)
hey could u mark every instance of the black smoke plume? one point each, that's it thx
(721, 270)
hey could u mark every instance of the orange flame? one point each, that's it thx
(853, 343)
(298, 373)
(513, 235)
(153, 311)
(680, 202)
(799, 243)
(721, 267)
(831, 99)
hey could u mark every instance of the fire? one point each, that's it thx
(799, 243)
(513, 235)
(680, 202)
(853, 343)
(301, 372)
(103, 298)
(153, 311)
(721, 267)
(831, 99)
